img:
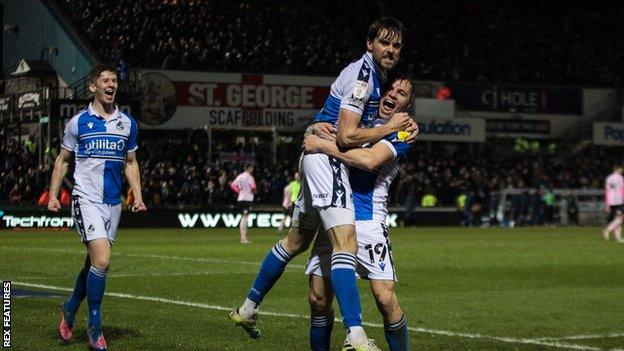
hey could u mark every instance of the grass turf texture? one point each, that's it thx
(490, 289)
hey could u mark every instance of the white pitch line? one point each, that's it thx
(291, 315)
(582, 337)
(138, 275)
(160, 257)
(200, 259)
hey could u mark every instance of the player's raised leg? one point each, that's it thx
(273, 265)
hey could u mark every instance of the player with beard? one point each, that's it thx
(325, 197)
(373, 168)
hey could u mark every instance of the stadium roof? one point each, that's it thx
(32, 67)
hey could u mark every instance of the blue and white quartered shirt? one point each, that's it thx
(370, 188)
(357, 88)
(100, 147)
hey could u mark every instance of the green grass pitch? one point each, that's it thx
(462, 289)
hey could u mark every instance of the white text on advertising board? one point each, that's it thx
(446, 128)
(249, 95)
(241, 118)
(258, 220)
(37, 222)
(528, 100)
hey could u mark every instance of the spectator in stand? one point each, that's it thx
(572, 209)
(213, 196)
(15, 196)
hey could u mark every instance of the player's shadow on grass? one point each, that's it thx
(110, 333)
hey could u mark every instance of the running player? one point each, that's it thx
(244, 185)
(372, 170)
(326, 194)
(104, 141)
(614, 204)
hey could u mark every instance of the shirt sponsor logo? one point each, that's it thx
(104, 146)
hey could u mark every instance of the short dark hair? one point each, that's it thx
(248, 165)
(396, 77)
(391, 24)
(99, 68)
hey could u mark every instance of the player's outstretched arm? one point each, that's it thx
(134, 180)
(365, 158)
(61, 164)
(349, 135)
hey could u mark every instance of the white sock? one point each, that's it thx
(248, 309)
(356, 335)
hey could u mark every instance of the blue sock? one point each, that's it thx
(345, 288)
(96, 283)
(320, 332)
(79, 293)
(270, 271)
(396, 335)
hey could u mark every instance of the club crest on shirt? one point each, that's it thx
(120, 125)
(91, 228)
(360, 89)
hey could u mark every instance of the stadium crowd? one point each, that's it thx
(179, 174)
(21, 179)
(449, 40)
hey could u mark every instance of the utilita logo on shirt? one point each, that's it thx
(105, 145)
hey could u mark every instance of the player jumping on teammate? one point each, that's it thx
(326, 193)
(373, 169)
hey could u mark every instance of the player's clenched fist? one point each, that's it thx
(413, 130)
(54, 204)
(138, 205)
(399, 121)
